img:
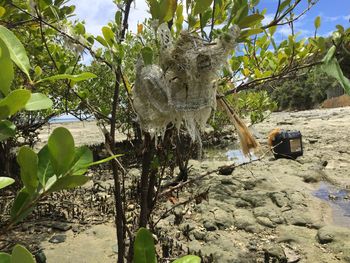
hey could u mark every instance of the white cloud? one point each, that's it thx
(100, 12)
(285, 31)
(346, 17)
(268, 18)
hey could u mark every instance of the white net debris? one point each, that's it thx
(182, 87)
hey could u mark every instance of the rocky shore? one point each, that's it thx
(265, 211)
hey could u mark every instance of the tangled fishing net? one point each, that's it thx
(181, 88)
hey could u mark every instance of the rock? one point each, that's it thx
(40, 257)
(209, 226)
(280, 199)
(223, 219)
(326, 235)
(264, 221)
(245, 220)
(337, 239)
(194, 245)
(75, 229)
(269, 212)
(291, 255)
(312, 176)
(312, 140)
(241, 203)
(255, 198)
(223, 192)
(226, 170)
(300, 218)
(59, 226)
(227, 181)
(198, 234)
(276, 252)
(56, 239)
(211, 237)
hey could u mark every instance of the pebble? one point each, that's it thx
(56, 239)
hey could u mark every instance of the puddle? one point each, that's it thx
(339, 199)
(230, 153)
(239, 157)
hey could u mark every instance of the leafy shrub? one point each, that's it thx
(304, 92)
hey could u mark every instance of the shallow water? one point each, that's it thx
(231, 153)
(339, 199)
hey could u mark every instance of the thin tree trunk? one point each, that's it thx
(119, 211)
(146, 165)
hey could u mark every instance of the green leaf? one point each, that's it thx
(38, 71)
(283, 5)
(28, 162)
(188, 259)
(167, 10)
(108, 35)
(61, 149)
(68, 182)
(154, 8)
(251, 20)
(7, 130)
(80, 28)
(179, 18)
(317, 22)
(272, 30)
(17, 52)
(38, 101)
(7, 72)
(2, 11)
(13, 102)
(201, 6)
(104, 160)
(83, 157)
(20, 209)
(250, 32)
(5, 181)
(330, 54)
(76, 78)
(242, 12)
(118, 17)
(102, 41)
(340, 28)
(21, 255)
(144, 247)
(147, 55)
(5, 258)
(45, 170)
(332, 68)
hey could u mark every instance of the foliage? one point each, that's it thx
(19, 255)
(5, 181)
(145, 251)
(57, 166)
(330, 65)
(12, 51)
(304, 92)
(256, 105)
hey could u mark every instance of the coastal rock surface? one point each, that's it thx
(265, 210)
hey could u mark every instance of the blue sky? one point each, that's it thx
(332, 12)
(98, 13)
